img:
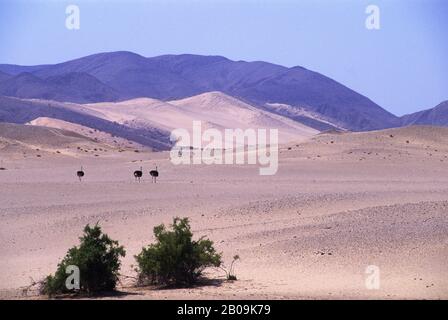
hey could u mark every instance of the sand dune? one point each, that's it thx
(37, 135)
(148, 122)
(305, 116)
(214, 109)
(229, 112)
(23, 111)
(142, 112)
(91, 133)
(34, 141)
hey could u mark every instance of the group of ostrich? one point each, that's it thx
(138, 174)
(153, 173)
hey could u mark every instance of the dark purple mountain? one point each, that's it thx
(437, 116)
(4, 76)
(73, 87)
(26, 85)
(13, 69)
(130, 74)
(177, 76)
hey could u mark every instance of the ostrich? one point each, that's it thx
(154, 174)
(80, 174)
(138, 174)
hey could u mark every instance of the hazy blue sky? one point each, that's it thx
(403, 66)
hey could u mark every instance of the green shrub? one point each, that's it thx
(98, 260)
(175, 259)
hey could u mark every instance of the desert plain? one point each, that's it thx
(340, 202)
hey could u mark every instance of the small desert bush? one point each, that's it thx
(230, 273)
(175, 258)
(98, 260)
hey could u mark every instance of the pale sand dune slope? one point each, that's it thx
(33, 141)
(94, 134)
(230, 112)
(143, 112)
(26, 110)
(302, 112)
(214, 109)
(37, 135)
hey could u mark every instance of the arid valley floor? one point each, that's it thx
(338, 203)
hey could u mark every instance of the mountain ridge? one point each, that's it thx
(78, 87)
(437, 115)
(171, 77)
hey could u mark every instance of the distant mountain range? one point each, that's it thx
(304, 96)
(118, 76)
(78, 87)
(437, 116)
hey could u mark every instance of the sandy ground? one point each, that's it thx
(338, 204)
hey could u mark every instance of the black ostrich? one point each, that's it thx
(154, 174)
(138, 174)
(80, 174)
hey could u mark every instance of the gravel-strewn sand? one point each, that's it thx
(337, 204)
